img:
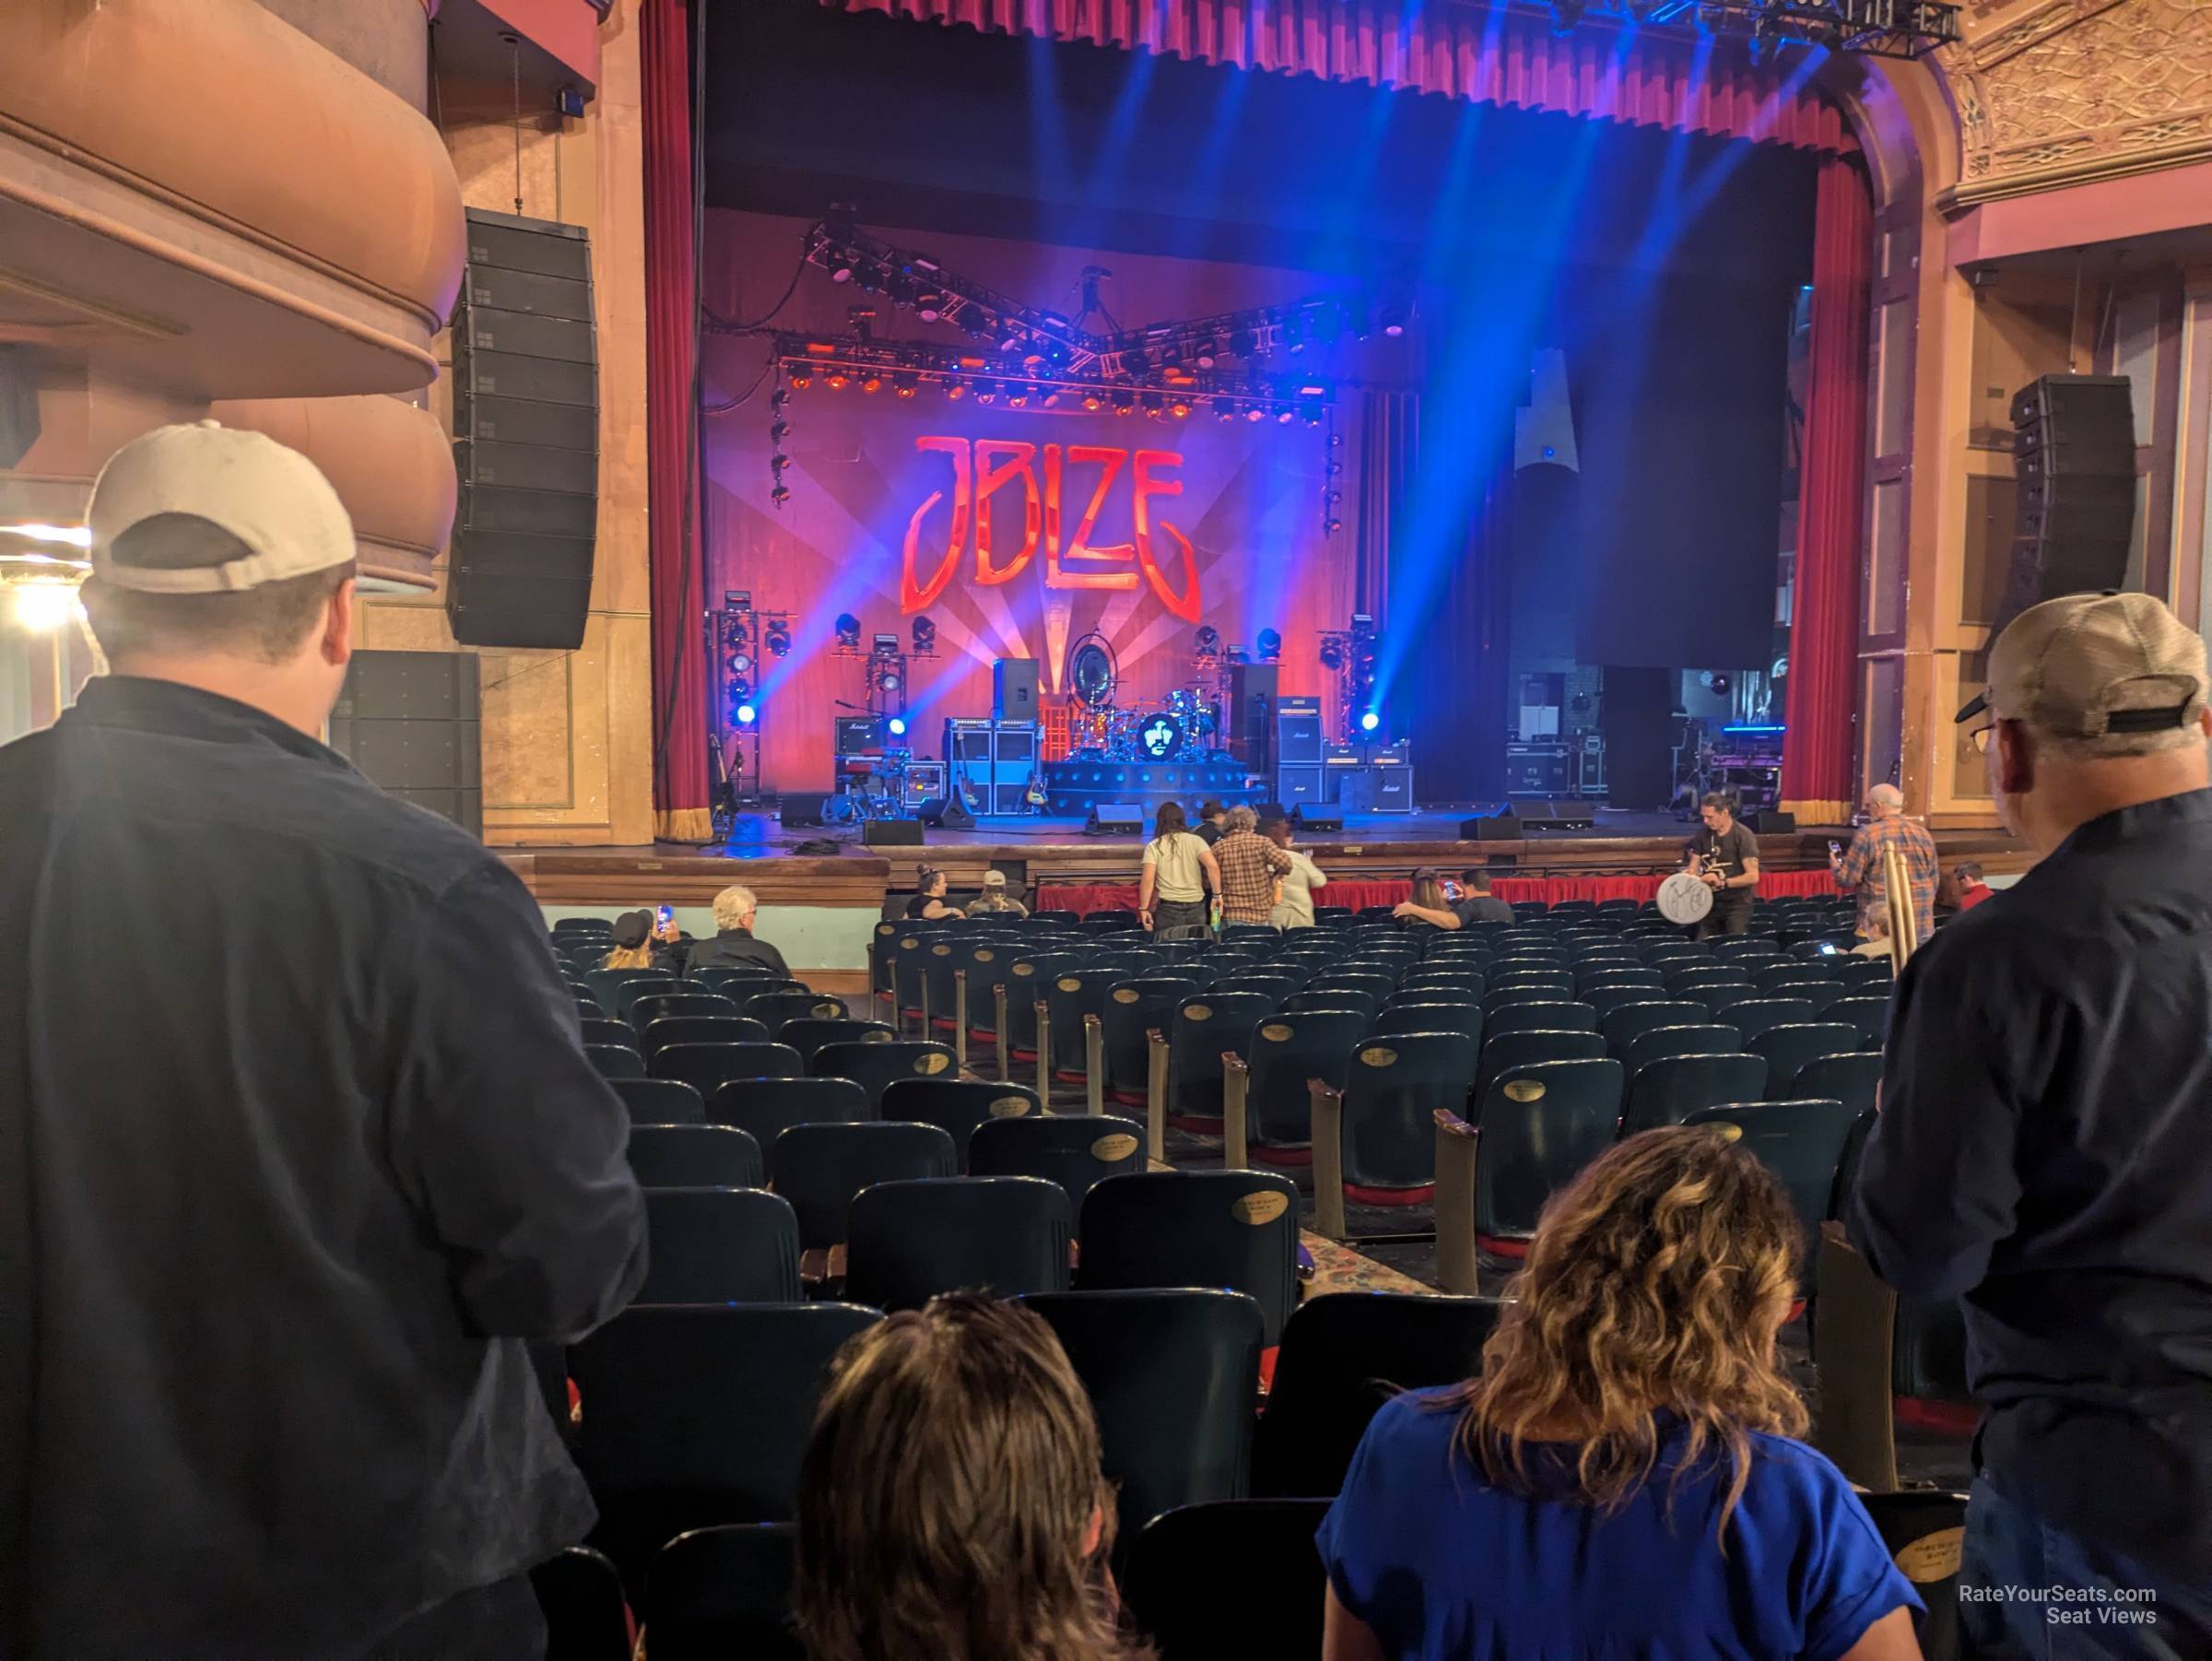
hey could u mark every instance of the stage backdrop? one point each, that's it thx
(1015, 531)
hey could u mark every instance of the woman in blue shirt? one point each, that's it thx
(1620, 1482)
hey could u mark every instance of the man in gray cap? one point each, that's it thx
(2044, 1148)
(297, 1141)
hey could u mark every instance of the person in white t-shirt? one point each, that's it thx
(1179, 871)
(1294, 893)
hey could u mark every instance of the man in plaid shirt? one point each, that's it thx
(1859, 870)
(1250, 863)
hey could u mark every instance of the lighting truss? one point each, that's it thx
(1884, 28)
(1047, 353)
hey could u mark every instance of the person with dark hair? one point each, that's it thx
(299, 1143)
(1724, 857)
(1294, 906)
(1622, 1477)
(950, 1499)
(1213, 824)
(1432, 906)
(1967, 881)
(2043, 1153)
(929, 903)
(1178, 869)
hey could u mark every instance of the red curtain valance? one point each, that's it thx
(1492, 56)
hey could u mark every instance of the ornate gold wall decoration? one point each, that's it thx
(2071, 90)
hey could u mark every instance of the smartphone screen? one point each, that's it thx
(1835, 846)
(667, 916)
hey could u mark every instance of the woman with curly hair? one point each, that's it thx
(1621, 1478)
(950, 1501)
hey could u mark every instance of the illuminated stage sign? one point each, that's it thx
(1081, 475)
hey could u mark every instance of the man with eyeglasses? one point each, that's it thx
(1860, 871)
(2044, 1149)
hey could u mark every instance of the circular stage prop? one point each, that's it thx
(1159, 738)
(1684, 899)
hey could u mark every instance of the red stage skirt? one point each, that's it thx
(1773, 885)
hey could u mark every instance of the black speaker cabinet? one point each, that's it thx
(1310, 816)
(803, 810)
(2074, 455)
(1496, 828)
(1773, 821)
(946, 813)
(892, 833)
(409, 721)
(1013, 688)
(525, 436)
(1251, 694)
(1115, 818)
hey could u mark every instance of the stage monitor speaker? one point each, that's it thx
(1115, 818)
(1773, 821)
(1556, 815)
(1253, 689)
(1490, 827)
(801, 810)
(892, 833)
(1014, 690)
(1311, 817)
(525, 436)
(409, 721)
(2074, 456)
(945, 813)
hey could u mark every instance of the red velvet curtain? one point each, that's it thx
(1490, 56)
(1824, 621)
(676, 545)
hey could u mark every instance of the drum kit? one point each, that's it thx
(1179, 727)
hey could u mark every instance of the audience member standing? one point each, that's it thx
(1859, 868)
(1295, 909)
(1179, 866)
(734, 944)
(1725, 856)
(1621, 1478)
(950, 1499)
(297, 1141)
(2044, 1149)
(1250, 863)
(1213, 824)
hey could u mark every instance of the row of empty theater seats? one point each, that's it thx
(806, 1171)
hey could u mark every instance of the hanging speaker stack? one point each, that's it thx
(2074, 456)
(525, 436)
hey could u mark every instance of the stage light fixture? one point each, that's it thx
(1124, 402)
(906, 384)
(839, 381)
(1245, 343)
(1149, 404)
(929, 305)
(1224, 410)
(1255, 414)
(925, 634)
(841, 268)
(778, 463)
(1283, 417)
(777, 637)
(956, 390)
(1394, 323)
(1369, 720)
(1017, 396)
(1091, 401)
(1180, 409)
(986, 393)
(896, 726)
(848, 630)
(780, 494)
(1312, 413)
(902, 289)
(1333, 526)
(778, 431)
(1208, 641)
(1270, 644)
(800, 378)
(1332, 651)
(1209, 351)
(871, 382)
(746, 714)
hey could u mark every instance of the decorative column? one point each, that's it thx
(1824, 622)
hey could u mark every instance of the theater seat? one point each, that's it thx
(694, 1155)
(661, 1101)
(1237, 1577)
(1373, 1142)
(580, 1594)
(909, 1240)
(1076, 1150)
(957, 1106)
(1265, 1111)
(719, 1245)
(723, 1595)
(1170, 1375)
(1540, 1125)
(1236, 1228)
(820, 1168)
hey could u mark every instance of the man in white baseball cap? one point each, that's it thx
(297, 1141)
(2044, 1148)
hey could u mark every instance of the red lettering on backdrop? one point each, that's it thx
(1020, 463)
(1183, 605)
(914, 595)
(980, 470)
(1079, 545)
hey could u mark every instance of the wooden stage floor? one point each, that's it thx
(834, 866)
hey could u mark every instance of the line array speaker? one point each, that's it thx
(2074, 454)
(1251, 723)
(408, 720)
(525, 436)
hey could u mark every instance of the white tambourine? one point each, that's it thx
(1684, 899)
